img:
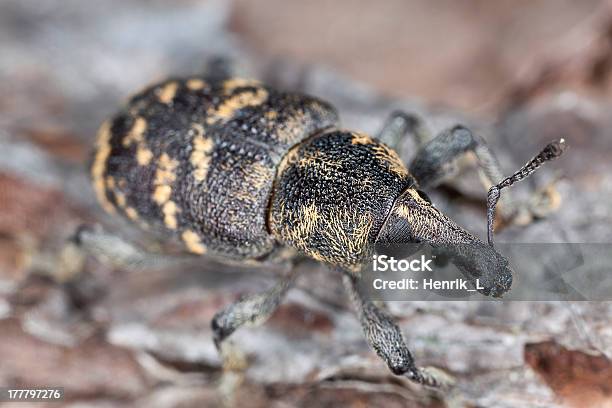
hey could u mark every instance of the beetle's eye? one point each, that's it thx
(424, 196)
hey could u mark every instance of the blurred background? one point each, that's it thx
(519, 72)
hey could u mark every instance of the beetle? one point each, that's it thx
(237, 170)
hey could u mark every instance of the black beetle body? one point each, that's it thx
(235, 169)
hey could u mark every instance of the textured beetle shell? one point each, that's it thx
(333, 194)
(198, 158)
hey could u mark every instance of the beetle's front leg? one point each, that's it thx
(385, 337)
(438, 159)
(400, 125)
(435, 160)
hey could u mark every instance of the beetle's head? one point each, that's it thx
(414, 219)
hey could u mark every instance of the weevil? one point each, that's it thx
(237, 170)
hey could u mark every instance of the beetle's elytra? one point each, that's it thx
(198, 158)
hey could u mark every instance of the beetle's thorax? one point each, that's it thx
(333, 193)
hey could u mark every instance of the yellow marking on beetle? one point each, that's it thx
(382, 153)
(344, 233)
(98, 167)
(143, 155)
(228, 108)
(271, 115)
(120, 198)
(165, 173)
(164, 177)
(347, 232)
(415, 195)
(193, 242)
(391, 159)
(301, 226)
(290, 129)
(195, 84)
(161, 194)
(419, 218)
(231, 85)
(167, 93)
(135, 135)
(197, 129)
(361, 139)
(307, 222)
(131, 213)
(200, 156)
(170, 209)
(316, 255)
(110, 183)
(403, 211)
(289, 159)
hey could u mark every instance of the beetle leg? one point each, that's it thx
(252, 310)
(398, 126)
(114, 250)
(385, 337)
(436, 159)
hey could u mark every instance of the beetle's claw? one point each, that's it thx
(431, 377)
(558, 147)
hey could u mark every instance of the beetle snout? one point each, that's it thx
(488, 271)
(495, 274)
(500, 284)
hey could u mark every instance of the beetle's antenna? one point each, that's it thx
(551, 151)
